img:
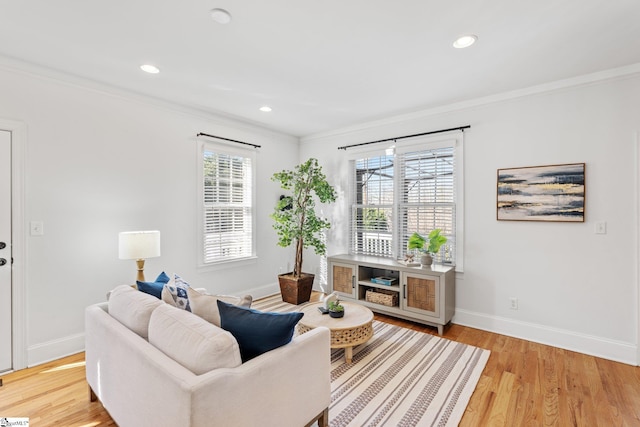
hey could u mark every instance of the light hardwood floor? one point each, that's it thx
(523, 384)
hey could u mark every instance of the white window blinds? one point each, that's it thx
(395, 195)
(227, 209)
(372, 210)
(428, 197)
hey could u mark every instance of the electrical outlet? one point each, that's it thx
(513, 303)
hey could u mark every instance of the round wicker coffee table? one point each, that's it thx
(356, 327)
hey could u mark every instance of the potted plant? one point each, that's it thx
(297, 222)
(427, 246)
(336, 309)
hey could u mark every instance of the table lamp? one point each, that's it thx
(139, 245)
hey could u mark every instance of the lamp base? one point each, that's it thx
(140, 263)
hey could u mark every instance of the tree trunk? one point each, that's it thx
(297, 267)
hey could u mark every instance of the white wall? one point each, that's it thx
(100, 163)
(576, 289)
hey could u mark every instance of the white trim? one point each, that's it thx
(618, 351)
(223, 147)
(263, 291)
(18, 242)
(55, 349)
(460, 197)
(636, 147)
(454, 140)
(271, 289)
(615, 73)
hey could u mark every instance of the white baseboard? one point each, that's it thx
(595, 346)
(274, 288)
(52, 350)
(263, 291)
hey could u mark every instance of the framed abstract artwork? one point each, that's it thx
(542, 193)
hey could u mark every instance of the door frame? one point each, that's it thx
(636, 144)
(18, 131)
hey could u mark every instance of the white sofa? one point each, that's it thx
(140, 385)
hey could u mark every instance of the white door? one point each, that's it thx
(5, 251)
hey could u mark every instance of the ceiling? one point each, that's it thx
(321, 64)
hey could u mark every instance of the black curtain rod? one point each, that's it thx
(462, 128)
(227, 139)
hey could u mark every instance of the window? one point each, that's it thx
(414, 188)
(372, 211)
(227, 209)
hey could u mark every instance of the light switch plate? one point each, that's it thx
(37, 228)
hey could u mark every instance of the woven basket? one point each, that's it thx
(382, 296)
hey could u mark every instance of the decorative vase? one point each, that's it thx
(426, 260)
(336, 314)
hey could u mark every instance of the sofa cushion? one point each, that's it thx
(154, 288)
(175, 293)
(132, 308)
(257, 332)
(206, 306)
(191, 341)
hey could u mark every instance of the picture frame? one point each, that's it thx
(552, 193)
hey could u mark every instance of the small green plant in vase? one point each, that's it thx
(427, 246)
(336, 309)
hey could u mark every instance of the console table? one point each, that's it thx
(425, 295)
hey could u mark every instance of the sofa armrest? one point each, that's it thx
(287, 386)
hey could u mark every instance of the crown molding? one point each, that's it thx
(587, 79)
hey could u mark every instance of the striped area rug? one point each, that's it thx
(400, 377)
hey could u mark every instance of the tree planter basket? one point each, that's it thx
(296, 291)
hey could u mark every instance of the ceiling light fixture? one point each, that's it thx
(221, 16)
(265, 108)
(151, 69)
(465, 41)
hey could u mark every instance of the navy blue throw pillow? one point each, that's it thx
(257, 332)
(154, 288)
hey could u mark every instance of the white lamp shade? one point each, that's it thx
(138, 244)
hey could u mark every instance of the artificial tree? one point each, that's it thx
(296, 221)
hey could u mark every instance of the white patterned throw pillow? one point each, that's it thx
(175, 293)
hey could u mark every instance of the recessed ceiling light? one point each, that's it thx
(221, 16)
(151, 69)
(465, 41)
(265, 108)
